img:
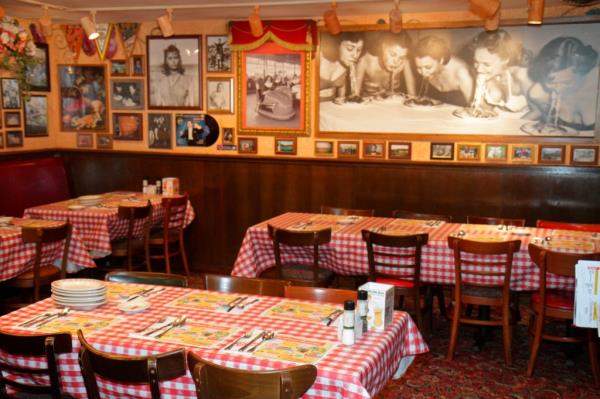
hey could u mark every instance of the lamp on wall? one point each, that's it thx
(491, 24)
(535, 14)
(256, 25)
(396, 18)
(89, 25)
(484, 9)
(332, 23)
(165, 23)
(45, 21)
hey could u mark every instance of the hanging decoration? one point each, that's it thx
(298, 34)
(36, 33)
(129, 32)
(17, 50)
(89, 46)
(102, 42)
(74, 37)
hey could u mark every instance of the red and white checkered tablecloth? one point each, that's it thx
(16, 257)
(357, 371)
(346, 254)
(99, 225)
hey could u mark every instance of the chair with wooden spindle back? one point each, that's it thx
(243, 285)
(495, 221)
(402, 214)
(490, 263)
(330, 210)
(170, 234)
(130, 246)
(549, 224)
(319, 294)
(555, 305)
(149, 370)
(173, 280)
(47, 345)
(219, 382)
(396, 260)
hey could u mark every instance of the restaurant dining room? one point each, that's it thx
(254, 199)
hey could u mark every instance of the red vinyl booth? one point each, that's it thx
(549, 224)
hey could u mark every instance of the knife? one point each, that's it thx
(334, 316)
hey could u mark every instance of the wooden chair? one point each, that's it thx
(242, 285)
(299, 273)
(130, 246)
(330, 210)
(551, 305)
(401, 214)
(396, 260)
(219, 382)
(170, 234)
(48, 345)
(146, 370)
(332, 295)
(495, 221)
(491, 261)
(173, 280)
(549, 224)
(42, 274)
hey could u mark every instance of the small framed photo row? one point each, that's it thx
(36, 116)
(442, 151)
(104, 141)
(468, 152)
(247, 145)
(118, 68)
(85, 140)
(551, 154)
(286, 146)
(399, 150)
(127, 126)
(137, 65)
(522, 153)
(496, 152)
(11, 94)
(14, 138)
(348, 149)
(324, 148)
(584, 155)
(374, 149)
(228, 136)
(126, 94)
(218, 53)
(12, 119)
(219, 95)
(160, 131)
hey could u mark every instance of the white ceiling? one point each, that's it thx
(147, 10)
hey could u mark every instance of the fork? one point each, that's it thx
(48, 319)
(160, 321)
(267, 336)
(253, 340)
(36, 319)
(179, 322)
(245, 335)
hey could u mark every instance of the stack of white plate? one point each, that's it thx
(79, 293)
(90, 200)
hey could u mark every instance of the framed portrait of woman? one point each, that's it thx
(174, 72)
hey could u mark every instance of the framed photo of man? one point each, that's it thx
(218, 54)
(219, 95)
(174, 72)
(38, 75)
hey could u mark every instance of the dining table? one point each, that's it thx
(346, 254)
(258, 333)
(99, 224)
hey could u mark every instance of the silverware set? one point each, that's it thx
(332, 316)
(162, 330)
(256, 341)
(45, 318)
(239, 302)
(145, 293)
(434, 223)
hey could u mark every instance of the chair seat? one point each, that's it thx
(396, 282)
(48, 273)
(119, 247)
(557, 299)
(485, 292)
(304, 273)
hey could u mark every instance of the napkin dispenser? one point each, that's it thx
(380, 305)
(170, 186)
(587, 294)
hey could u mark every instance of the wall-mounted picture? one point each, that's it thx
(118, 68)
(347, 149)
(324, 148)
(522, 153)
(272, 90)
(374, 149)
(127, 94)
(14, 138)
(11, 94)
(196, 130)
(551, 154)
(228, 135)
(85, 140)
(444, 151)
(516, 81)
(496, 152)
(127, 126)
(285, 146)
(584, 155)
(219, 95)
(159, 131)
(36, 116)
(1, 140)
(83, 98)
(12, 119)
(137, 65)
(38, 75)
(104, 141)
(247, 145)
(218, 53)
(468, 152)
(174, 72)
(398, 150)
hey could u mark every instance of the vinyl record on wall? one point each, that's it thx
(197, 130)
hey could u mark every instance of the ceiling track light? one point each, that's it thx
(332, 23)
(256, 25)
(165, 22)
(491, 24)
(396, 18)
(45, 21)
(89, 25)
(535, 13)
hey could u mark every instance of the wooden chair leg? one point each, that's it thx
(535, 346)
(593, 349)
(454, 331)
(506, 336)
(167, 257)
(439, 293)
(417, 300)
(148, 260)
(184, 257)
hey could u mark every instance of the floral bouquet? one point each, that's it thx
(17, 50)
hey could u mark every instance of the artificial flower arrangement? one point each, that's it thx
(17, 50)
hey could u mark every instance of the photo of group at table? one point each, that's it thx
(547, 77)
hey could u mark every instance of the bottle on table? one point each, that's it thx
(348, 323)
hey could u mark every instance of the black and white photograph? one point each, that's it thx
(14, 138)
(374, 149)
(36, 116)
(159, 131)
(219, 95)
(12, 119)
(584, 155)
(398, 150)
(347, 149)
(218, 53)
(553, 154)
(195, 130)
(174, 72)
(38, 75)
(515, 81)
(126, 94)
(442, 151)
(228, 135)
(11, 94)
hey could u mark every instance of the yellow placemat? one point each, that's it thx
(205, 335)
(89, 323)
(37, 223)
(574, 234)
(576, 245)
(294, 349)
(202, 300)
(121, 291)
(484, 237)
(300, 311)
(407, 222)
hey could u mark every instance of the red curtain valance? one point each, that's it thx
(297, 34)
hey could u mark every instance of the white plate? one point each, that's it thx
(78, 284)
(97, 299)
(134, 306)
(5, 219)
(89, 197)
(76, 207)
(83, 298)
(81, 306)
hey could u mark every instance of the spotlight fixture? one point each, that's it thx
(396, 18)
(89, 25)
(484, 9)
(332, 23)
(1, 11)
(256, 25)
(491, 24)
(45, 21)
(165, 23)
(535, 14)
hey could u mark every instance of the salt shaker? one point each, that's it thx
(363, 297)
(158, 186)
(144, 185)
(348, 329)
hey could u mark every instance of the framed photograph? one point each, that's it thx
(38, 75)
(247, 145)
(285, 146)
(228, 135)
(374, 149)
(85, 140)
(118, 68)
(126, 94)
(36, 116)
(496, 152)
(347, 149)
(219, 95)
(218, 53)
(137, 65)
(468, 152)
(12, 119)
(1, 140)
(324, 148)
(127, 126)
(443, 151)
(522, 153)
(195, 130)
(160, 131)
(104, 141)
(14, 138)
(83, 98)
(174, 72)
(273, 90)
(399, 150)
(584, 155)
(11, 94)
(551, 154)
